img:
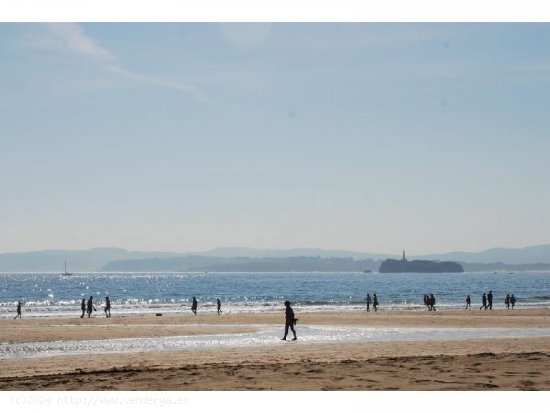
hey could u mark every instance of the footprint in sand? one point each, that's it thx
(315, 371)
(486, 385)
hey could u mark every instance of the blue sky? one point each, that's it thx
(185, 137)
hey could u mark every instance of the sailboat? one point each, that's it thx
(66, 273)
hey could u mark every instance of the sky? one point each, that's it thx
(186, 137)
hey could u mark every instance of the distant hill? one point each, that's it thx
(527, 255)
(233, 252)
(250, 259)
(196, 263)
(77, 260)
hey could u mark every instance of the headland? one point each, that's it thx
(419, 266)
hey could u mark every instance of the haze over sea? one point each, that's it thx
(53, 294)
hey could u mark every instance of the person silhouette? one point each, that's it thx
(426, 303)
(468, 303)
(219, 304)
(513, 301)
(368, 300)
(375, 302)
(483, 302)
(490, 300)
(194, 306)
(83, 307)
(90, 306)
(507, 301)
(290, 320)
(431, 300)
(107, 307)
(18, 310)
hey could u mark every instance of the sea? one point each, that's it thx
(53, 294)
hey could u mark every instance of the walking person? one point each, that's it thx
(194, 306)
(83, 307)
(90, 306)
(375, 302)
(426, 301)
(107, 307)
(483, 302)
(512, 301)
(290, 320)
(219, 304)
(507, 301)
(468, 303)
(18, 311)
(490, 300)
(432, 302)
(368, 300)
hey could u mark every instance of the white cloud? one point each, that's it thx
(160, 81)
(70, 37)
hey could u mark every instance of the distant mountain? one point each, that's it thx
(234, 252)
(77, 260)
(200, 263)
(528, 255)
(96, 259)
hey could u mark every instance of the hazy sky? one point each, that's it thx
(371, 137)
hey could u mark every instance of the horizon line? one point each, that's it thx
(266, 249)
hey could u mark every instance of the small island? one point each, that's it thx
(418, 266)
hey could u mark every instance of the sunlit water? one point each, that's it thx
(46, 294)
(266, 336)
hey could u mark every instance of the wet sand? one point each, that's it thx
(500, 364)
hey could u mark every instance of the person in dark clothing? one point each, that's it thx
(107, 307)
(507, 301)
(483, 302)
(83, 307)
(431, 301)
(194, 306)
(468, 303)
(219, 304)
(90, 306)
(290, 320)
(375, 302)
(426, 301)
(18, 310)
(490, 300)
(512, 301)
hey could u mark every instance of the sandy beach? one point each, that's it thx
(475, 364)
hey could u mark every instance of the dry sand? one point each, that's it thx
(501, 364)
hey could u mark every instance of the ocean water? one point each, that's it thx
(49, 294)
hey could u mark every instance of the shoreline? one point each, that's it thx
(51, 328)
